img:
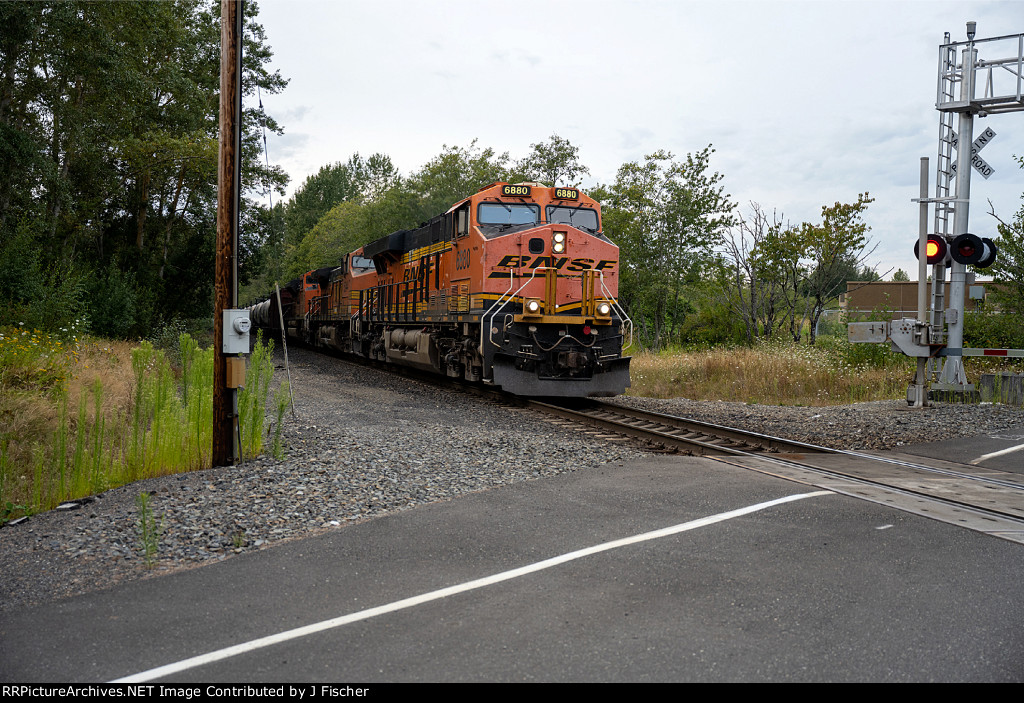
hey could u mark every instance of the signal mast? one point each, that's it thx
(937, 340)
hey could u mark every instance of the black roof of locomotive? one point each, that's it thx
(393, 243)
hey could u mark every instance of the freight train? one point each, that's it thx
(515, 286)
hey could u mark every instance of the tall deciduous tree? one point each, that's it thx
(832, 248)
(554, 162)
(754, 277)
(108, 128)
(454, 174)
(357, 179)
(1008, 268)
(667, 216)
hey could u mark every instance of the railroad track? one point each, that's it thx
(978, 499)
(971, 497)
(672, 433)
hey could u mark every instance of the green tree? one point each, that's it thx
(357, 179)
(900, 276)
(261, 249)
(108, 119)
(666, 216)
(555, 162)
(347, 226)
(781, 261)
(752, 276)
(1008, 268)
(345, 206)
(833, 248)
(454, 174)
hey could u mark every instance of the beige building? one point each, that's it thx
(899, 297)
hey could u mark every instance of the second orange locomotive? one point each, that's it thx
(515, 286)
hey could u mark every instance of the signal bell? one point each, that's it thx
(936, 248)
(979, 252)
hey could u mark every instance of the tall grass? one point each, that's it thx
(776, 372)
(252, 400)
(125, 425)
(281, 399)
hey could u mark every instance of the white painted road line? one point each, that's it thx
(1008, 450)
(252, 645)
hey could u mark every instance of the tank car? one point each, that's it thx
(515, 286)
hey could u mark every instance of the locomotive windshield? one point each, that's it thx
(581, 217)
(508, 214)
(362, 263)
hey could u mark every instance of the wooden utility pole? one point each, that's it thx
(228, 190)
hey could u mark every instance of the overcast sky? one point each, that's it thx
(807, 103)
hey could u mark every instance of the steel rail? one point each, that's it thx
(780, 443)
(700, 438)
(978, 510)
(784, 453)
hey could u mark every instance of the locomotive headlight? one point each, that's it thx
(532, 307)
(604, 309)
(558, 242)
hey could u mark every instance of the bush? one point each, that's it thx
(167, 336)
(710, 326)
(52, 299)
(61, 307)
(994, 330)
(112, 308)
(20, 275)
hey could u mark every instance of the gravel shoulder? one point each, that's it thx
(363, 444)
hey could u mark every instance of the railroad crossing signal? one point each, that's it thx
(936, 249)
(979, 164)
(979, 252)
(952, 244)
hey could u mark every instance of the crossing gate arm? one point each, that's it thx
(997, 353)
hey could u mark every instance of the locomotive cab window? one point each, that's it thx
(508, 214)
(361, 264)
(584, 218)
(462, 221)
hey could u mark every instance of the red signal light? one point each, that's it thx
(974, 250)
(935, 248)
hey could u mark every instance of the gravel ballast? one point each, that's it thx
(365, 443)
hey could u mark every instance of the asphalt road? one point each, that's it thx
(824, 588)
(1003, 451)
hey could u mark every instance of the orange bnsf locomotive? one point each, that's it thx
(515, 286)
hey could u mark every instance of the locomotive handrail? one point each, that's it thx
(623, 317)
(615, 306)
(494, 313)
(483, 318)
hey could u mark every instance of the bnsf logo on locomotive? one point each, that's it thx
(581, 264)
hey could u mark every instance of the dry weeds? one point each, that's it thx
(772, 374)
